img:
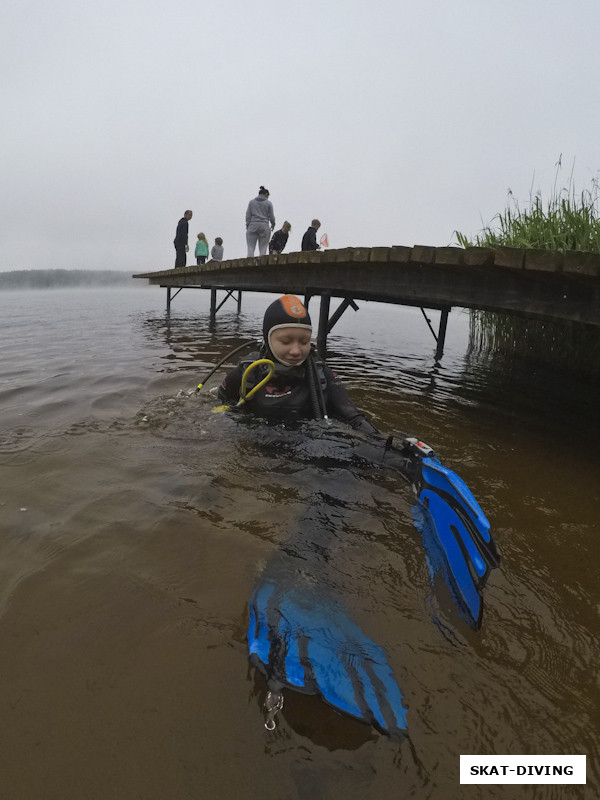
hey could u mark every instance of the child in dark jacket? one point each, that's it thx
(309, 240)
(280, 237)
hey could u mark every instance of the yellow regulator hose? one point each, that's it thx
(247, 371)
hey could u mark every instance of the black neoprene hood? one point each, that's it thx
(286, 310)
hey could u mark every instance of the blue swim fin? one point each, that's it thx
(303, 640)
(461, 531)
(452, 523)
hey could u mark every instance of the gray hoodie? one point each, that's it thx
(260, 210)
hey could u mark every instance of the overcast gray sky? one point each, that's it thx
(393, 122)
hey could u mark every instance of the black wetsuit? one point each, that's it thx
(288, 393)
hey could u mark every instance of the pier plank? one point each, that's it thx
(400, 254)
(422, 255)
(478, 256)
(453, 256)
(544, 260)
(578, 262)
(511, 257)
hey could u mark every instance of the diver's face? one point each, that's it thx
(290, 345)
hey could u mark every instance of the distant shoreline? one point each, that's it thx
(61, 278)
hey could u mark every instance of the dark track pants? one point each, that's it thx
(180, 256)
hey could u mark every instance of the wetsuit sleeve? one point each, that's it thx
(340, 406)
(229, 390)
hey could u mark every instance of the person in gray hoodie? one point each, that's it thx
(260, 221)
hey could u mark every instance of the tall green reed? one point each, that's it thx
(568, 220)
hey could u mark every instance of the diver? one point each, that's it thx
(302, 385)
(298, 637)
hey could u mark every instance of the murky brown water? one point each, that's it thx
(135, 523)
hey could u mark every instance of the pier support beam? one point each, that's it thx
(171, 297)
(440, 336)
(326, 322)
(323, 325)
(347, 303)
(213, 301)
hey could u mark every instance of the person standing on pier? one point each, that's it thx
(201, 249)
(280, 237)
(216, 253)
(181, 239)
(260, 220)
(309, 240)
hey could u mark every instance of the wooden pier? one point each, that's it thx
(540, 284)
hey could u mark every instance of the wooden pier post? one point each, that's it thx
(441, 337)
(323, 325)
(213, 304)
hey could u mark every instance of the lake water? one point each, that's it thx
(135, 523)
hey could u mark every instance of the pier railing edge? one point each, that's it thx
(578, 264)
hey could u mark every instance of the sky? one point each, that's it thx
(394, 123)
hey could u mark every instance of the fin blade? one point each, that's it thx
(465, 582)
(456, 536)
(306, 642)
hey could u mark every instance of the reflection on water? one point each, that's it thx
(135, 523)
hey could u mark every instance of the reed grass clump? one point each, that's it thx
(569, 220)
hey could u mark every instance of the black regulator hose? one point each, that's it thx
(316, 390)
(320, 393)
(223, 360)
(312, 387)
